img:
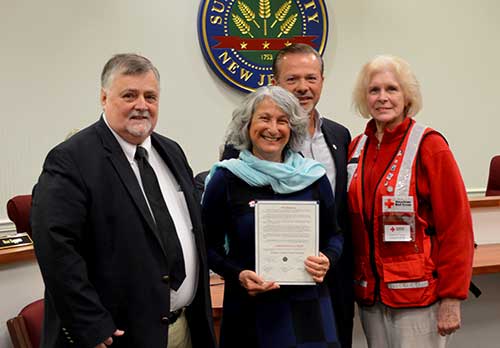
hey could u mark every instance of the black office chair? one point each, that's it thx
(199, 181)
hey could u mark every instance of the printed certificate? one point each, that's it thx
(286, 233)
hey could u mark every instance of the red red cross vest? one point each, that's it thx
(393, 261)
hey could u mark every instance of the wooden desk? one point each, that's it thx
(217, 294)
(16, 254)
(481, 202)
(486, 259)
(485, 213)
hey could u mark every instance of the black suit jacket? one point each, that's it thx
(339, 278)
(100, 255)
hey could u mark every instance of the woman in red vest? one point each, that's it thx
(410, 216)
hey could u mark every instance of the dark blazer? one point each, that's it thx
(340, 277)
(99, 252)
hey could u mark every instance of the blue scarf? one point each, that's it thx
(294, 174)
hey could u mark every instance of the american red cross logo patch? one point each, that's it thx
(389, 203)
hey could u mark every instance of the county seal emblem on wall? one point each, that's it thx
(240, 38)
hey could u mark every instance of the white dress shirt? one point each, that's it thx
(177, 206)
(315, 147)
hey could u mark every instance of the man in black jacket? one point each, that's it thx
(299, 69)
(117, 228)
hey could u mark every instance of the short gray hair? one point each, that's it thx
(401, 70)
(126, 64)
(237, 132)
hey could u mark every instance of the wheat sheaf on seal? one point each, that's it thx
(240, 38)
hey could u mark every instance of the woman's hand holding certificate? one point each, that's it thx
(255, 284)
(317, 266)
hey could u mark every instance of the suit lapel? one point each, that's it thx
(332, 145)
(330, 140)
(176, 166)
(127, 176)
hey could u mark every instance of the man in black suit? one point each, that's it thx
(117, 228)
(299, 69)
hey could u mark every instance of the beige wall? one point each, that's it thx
(52, 52)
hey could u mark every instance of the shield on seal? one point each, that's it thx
(240, 38)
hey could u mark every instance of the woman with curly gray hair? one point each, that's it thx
(268, 129)
(296, 119)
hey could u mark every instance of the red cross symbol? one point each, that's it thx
(393, 229)
(389, 203)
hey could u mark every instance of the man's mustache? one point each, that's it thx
(139, 113)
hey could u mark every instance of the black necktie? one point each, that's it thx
(164, 222)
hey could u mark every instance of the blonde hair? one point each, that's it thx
(401, 70)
